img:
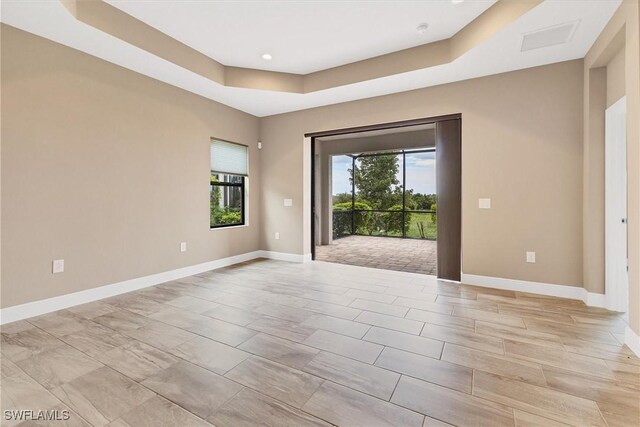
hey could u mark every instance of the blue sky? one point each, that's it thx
(421, 173)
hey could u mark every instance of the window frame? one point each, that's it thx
(240, 185)
(404, 211)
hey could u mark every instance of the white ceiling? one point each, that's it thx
(302, 36)
(501, 53)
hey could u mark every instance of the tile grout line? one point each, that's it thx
(360, 339)
(38, 382)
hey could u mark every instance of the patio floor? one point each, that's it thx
(389, 253)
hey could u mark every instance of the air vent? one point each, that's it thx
(550, 36)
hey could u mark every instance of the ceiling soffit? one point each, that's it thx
(117, 23)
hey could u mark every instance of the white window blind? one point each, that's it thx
(229, 158)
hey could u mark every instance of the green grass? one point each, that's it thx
(430, 228)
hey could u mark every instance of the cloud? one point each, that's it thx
(341, 159)
(421, 159)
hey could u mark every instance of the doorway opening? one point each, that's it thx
(380, 198)
(376, 196)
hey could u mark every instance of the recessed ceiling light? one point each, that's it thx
(267, 57)
(422, 28)
(457, 1)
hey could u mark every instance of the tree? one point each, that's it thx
(343, 216)
(419, 201)
(434, 208)
(392, 222)
(412, 201)
(430, 202)
(376, 182)
(341, 198)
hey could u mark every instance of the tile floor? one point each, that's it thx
(272, 343)
(388, 253)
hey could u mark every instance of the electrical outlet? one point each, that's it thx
(57, 266)
(531, 257)
(288, 202)
(183, 247)
(277, 235)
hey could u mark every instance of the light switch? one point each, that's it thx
(484, 203)
(288, 202)
(183, 247)
(277, 235)
(58, 266)
(531, 257)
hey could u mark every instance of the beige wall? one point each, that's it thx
(595, 99)
(107, 169)
(622, 32)
(522, 146)
(615, 78)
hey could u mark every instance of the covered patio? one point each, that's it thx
(389, 253)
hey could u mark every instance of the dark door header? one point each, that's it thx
(380, 126)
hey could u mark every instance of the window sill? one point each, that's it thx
(228, 228)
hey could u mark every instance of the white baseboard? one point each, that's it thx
(632, 340)
(562, 291)
(283, 256)
(37, 308)
(596, 300)
(548, 289)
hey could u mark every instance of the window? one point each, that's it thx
(227, 184)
